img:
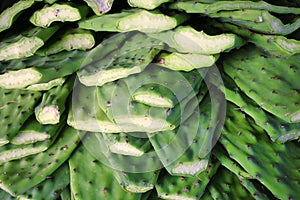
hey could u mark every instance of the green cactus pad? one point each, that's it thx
(50, 188)
(133, 116)
(145, 163)
(134, 19)
(187, 188)
(217, 6)
(258, 20)
(32, 138)
(132, 57)
(280, 94)
(23, 174)
(163, 87)
(58, 12)
(133, 180)
(53, 103)
(25, 44)
(8, 16)
(225, 185)
(276, 45)
(85, 114)
(72, 39)
(242, 175)
(149, 5)
(16, 107)
(278, 129)
(186, 39)
(100, 6)
(88, 173)
(47, 86)
(41, 69)
(192, 141)
(185, 62)
(126, 144)
(274, 165)
(32, 131)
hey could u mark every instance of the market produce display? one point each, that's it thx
(148, 100)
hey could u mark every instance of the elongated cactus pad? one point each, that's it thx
(134, 19)
(217, 6)
(25, 44)
(42, 69)
(16, 106)
(58, 12)
(32, 131)
(185, 62)
(278, 129)
(275, 165)
(73, 39)
(191, 142)
(225, 185)
(131, 57)
(245, 179)
(85, 114)
(8, 16)
(277, 45)
(23, 174)
(280, 76)
(258, 20)
(88, 173)
(51, 187)
(163, 87)
(186, 39)
(47, 86)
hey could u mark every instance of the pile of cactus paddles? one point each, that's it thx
(149, 99)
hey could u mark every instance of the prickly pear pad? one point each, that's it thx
(279, 76)
(15, 107)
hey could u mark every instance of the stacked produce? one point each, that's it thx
(143, 100)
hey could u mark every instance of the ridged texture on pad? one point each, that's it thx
(257, 191)
(274, 165)
(15, 106)
(278, 129)
(226, 186)
(279, 76)
(20, 175)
